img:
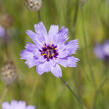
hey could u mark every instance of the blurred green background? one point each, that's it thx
(89, 23)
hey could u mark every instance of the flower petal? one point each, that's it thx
(29, 57)
(62, 35)
(40, 28)
(106, 48)
(30, 107)
(25, 54)
(69, 61)
(98, 50)
(68, 49)
(52, 32)
(42, 32)
(56, 71)
(35, 38)
(32, 35)
(44, 67)
(72, 46)
(5, 105)
(2, 31)
(32, 48)
(18, 105)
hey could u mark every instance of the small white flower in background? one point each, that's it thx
(33, 5)
(8, 73)
(16, 105)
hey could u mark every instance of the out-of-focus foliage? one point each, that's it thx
(46, 91)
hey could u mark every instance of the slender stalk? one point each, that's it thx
(3, 95)
(68, 13)
(68, 16)
(97, 91)
(36, 17)
(99, 88)
(86, 48)
(6, 44)
(33, 90)
(74, 94)
(1, 6)
(75, 17)
(39, 16)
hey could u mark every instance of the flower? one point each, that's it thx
(8, 73)
(33, 5)
(49, 50)
(6, 20)
(82, 2)
(2, 31)
(102, 51)
(16, 105)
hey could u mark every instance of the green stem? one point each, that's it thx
(3, 96)
(33, 90)
(99, 88)
(75, 18)
(74, 94)
(86, 48)
(6, 45)
(39, 16)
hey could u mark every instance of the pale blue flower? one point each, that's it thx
(50, 49)
(102, 51)
(16, 105)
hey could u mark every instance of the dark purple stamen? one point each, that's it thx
(49, 51)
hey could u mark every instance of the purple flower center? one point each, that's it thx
(49, 51)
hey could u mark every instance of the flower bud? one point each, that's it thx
(82, 2)
(8, 73)
(33, 5)
(6, 20)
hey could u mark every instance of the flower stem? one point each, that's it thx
(99, 88)
(39, 16)
(3, 96)
(75, 18)
(33, 90)
(86, 48)
(74, 94)
(6, 45)
(97, 91)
